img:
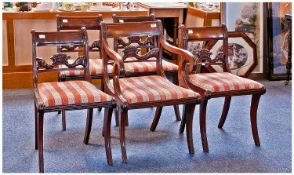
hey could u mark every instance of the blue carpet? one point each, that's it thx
(231, 149)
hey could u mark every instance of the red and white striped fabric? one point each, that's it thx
(95, 68)
(151, 89)
(70, 92)
(136, 67)
(223, 81)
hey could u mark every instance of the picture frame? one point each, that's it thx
(277, 45)
(242, 54)
(247, 18)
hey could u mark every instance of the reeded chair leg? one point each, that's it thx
(225, 111)
(183, 121)
(40, 141)
(156, 118)
(122, 124)
(88, 125)
(189, 113)
(253, 116)
(202, 120)
(63, 120)
(107, 133)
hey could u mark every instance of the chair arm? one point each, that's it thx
(118, 68)
(186, 61)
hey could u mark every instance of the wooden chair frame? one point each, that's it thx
(211, 34)
(76, 38)
(120, 45)
(152, 29)
(69, 23)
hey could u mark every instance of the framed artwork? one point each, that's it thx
(246, 17)
(277, 39)
(242, 54)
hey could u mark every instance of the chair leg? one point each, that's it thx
(127, 120)
(183, 122)
(189, 113)
(122, 124)
(88, 125)
(177, 112)
(202, 120)
(253, 116)
(176, 107)
(116, 117)
(102, 89)
(156, 118)
(225, 111)
(40, 141)
(107, 133)
(63, 120)
(36, 127)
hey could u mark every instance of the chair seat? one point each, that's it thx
(223, 82)
(151, 89)
(70, 92)
(95, 68)
(139, 67)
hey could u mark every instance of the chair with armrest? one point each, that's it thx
(143, 91)
(216, 84)
(68, 95)
(144, 68)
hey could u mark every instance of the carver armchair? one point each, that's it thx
(143, 91)
(215, 84)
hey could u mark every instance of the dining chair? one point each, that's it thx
(216, 84)
(67, 95)
(148, 90)
(92, 24)
(143, 68)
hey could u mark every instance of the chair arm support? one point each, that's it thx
(118, 68)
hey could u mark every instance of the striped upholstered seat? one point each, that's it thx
(223, 82)
(151, 89)
(70, 92)
(138, 67)
(95, 68)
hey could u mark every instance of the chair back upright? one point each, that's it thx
(209, 36)
(60, 61)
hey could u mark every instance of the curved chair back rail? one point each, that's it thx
(75, 23)
(208, 35)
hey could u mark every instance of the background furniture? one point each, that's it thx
(69, 95)
(144, 91)
(218, 84)
(16, 54)
(199, 18)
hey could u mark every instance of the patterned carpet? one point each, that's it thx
(231, 149)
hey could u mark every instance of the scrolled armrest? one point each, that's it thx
(186, 61)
